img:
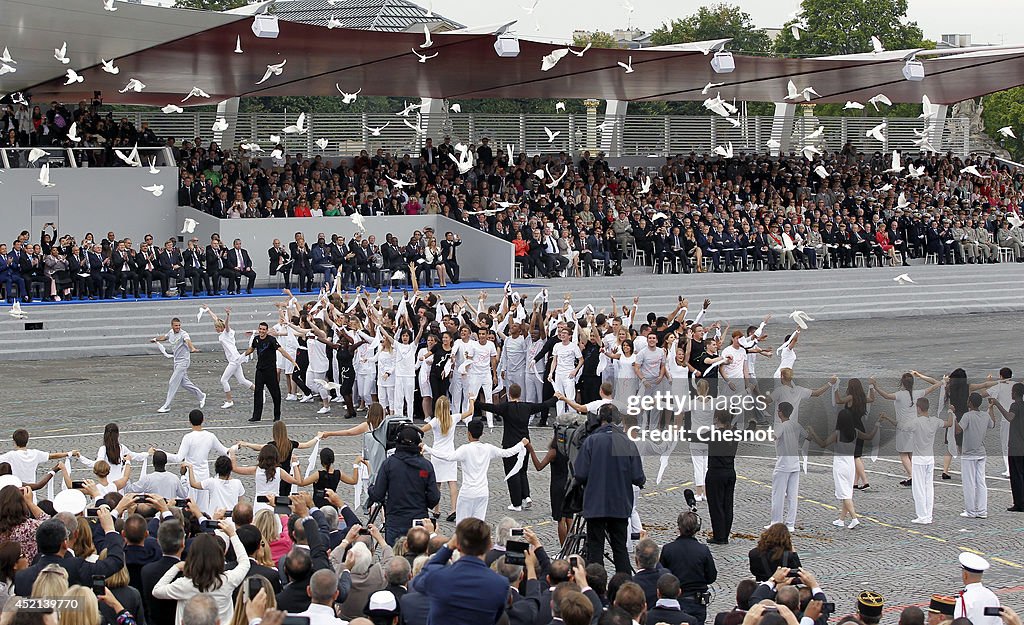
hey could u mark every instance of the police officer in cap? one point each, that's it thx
(974, 598)
(405, 485)
(940, 609)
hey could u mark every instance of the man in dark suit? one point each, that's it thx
(448, 253)
(192, 266)
(467, 591)
(146, 266)
(302, 263)
(321, 259)
(215, 267)
(300, 563)
(280, 262)
(522, 609)
(429, 153)
(646, 553)
(239, 262)
(484, 153)
(170, 262)
(666, 608)
(692, 564)
(251, 539)
(542, 261)
(52, 540)
(414, 608)
(140, 548)
(171, 538)
(103, 280)
(359, 259)
(124, 271)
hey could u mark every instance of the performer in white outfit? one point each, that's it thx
(386, 373)
(226, 338)
(844, 437)
(365, 364)
(480, 370)
(457, 388)
(533, 391)
(789, 436)
(702, 420)
(424, 361)
(676, 367)
(112, 445)
(514, 352)
(974, 425)
(195, 449)
(649, 366)
(475, 457)
(443, 427)
(625, 374)
(182, 348)
(289, 340)
(735, 375)
(921, 432)
(405, 368)
(906, 415)
(268, 474)
(787, 353)
(1002, 392)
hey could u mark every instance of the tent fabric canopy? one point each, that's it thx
(172, 50)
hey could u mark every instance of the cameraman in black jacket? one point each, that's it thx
(405, 485)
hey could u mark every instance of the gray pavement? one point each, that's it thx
(65, 404)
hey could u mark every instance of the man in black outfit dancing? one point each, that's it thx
(266, 348)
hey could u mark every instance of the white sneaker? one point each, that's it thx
(983, 515)
(1005, 474)
(699, 498)
(324, 410)
(514, 508)
(163, 409)
(306, 399)
(839, 523)
(527, 503)
(791, 528)
(202, 401)
(854, 523)
(767, 526)
(290, 397)
(227, 405)
(965, 514)
(922, 521)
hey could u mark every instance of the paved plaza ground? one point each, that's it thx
(65, 404)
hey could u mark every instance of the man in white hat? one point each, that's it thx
(974, 598)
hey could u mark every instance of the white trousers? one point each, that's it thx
(533, 391)
(179, 379)
(234, 369)
(473, 384)
(366, 387)
(386, 394)
(923, 486)
(455, 393)
(975, 490)
(516, 377)
(1004, 442)
(565, 385)
(315, 381)
(785, 489)
(405, 388)
(699, 458)
(471, 507)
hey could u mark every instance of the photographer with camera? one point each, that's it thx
(608, 466)
(818, 609)
(691, 562)
(405, 485)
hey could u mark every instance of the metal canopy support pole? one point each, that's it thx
(611, 140)
(782, 127)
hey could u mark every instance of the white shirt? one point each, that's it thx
(317, 355)
(182, 589)
(24, 463)
(226, 338)
(905, 407)
(514, 351)
(733, 369)
(195, 449)
(405, 359)
(223, 493)
(787, 358)
(474, 458)
(116, 469)
(386, 365)
(1001, 392)
(321, 615)
(976, 598)
(792, 395)
(565, 356)
(789, 435)
(922, 438)
(167, 485)
(182, 355)
(624, 370)
(479, 357)
(974, 423)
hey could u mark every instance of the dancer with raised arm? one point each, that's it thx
(195, 449)
(226, 338)
(905, 406)
(266, 348)
(182, 349)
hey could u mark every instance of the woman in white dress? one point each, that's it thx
(424, 362)
(443, 427)
(844, 471)
(702, 419)
(787, 353)
(905, 408)
(386, 373)
(113, 453)
(625, 375)
(269, 475)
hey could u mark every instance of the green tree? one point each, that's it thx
(719, 21)
(210, 5)
(1006, 108)
(846, 27)
(598, 39)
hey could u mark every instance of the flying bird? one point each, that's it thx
(132, 158)
(645, 186)
(773, 144)
(510, 150)
(152, 166)
(426, 35)
(876, 133)
(711, 85)
(16, 311)
(423, 57)
(333, 23)
(35, 154)
(465, 160)
(530, 9)
(196, 93)
(876, 45)
(795, 30)
(358, 221)
(552, 58)
(971, 169)
(275, 139)
(540, 173)
(273, 70)
(347, 98)
(238, 44)
(725, 152)
(1014, 220)
(914, 172)
(172, 108)
(322, 143)
(277, 155)
(880, 99)
(134, 84)
(628, 65)
(220, 125)
(555, 181)
(401, 184)
(1007, 132)
(6, 57)
(7, 69)
(901, 201)
(375, 132)
(551, 135)
(853, 105)
(821, 171)
(810, 152)
(156, 189)
(108, 5)
(73, 77)
(44, 176)
(903, 279)
(61, 53)
(581, 52)
(417, 126)
(109, 67)
(820, 130)
(298, 128)
(800, 318)
(456, 108)
(928, 110)
(560, 106)
(896, 166)
(73, 133)
(409, 108)
(251, 147)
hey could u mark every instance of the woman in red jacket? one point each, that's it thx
(882, 238)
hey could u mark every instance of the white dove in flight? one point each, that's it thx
(581, 52)
(876, 133)
(109, 67)
(196, 93)
(896, 167)
(708, 87)
(322, 143)
(152, 166)
(876, 45)
(820, 130)
(44, 176)
(551, 135)
(1007, 132)
(555, 181)
(530, 9)
(298, 128)
(901, 202)
(540, 173)
(773, 144)
(810, 152)
(628, 65)
(510, 149)
(409, 108)
(172, 108)
(881, 98)
(971, 169)
(853, 105)
(333, 23)
(238, 45)
(417, 127)
(795, 30)
(35, 154)
(800, 318)
(423, 57)
(156, 189)
(275, 139)
(251, 147)
(914, 172)
(928, 110)
(61, 53)
(465, 160)
(725, 152)
(821, 171)
(426, 36)
(7, 69)
(6, 57)
(347, 98)
(560, 106)
(375, 132)
(16, 310)
(132, 158)
(73, 77)
(220, 125)
(401, 184)
(1015, 220)
(108, 5)
(273, 70)
(903, 279)
(134, 84)
(73, 133)
(645, 186)
(455, 108)
(358, 221)
(552, 58)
